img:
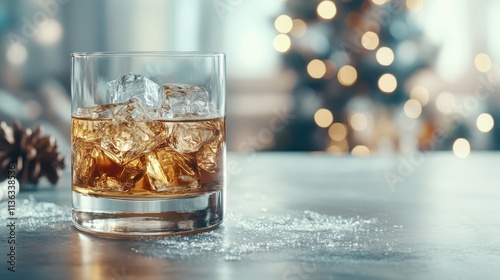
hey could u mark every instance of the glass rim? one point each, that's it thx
(148, 54)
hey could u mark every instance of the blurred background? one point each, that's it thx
(361, 77)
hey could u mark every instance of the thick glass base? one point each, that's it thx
(138, 217)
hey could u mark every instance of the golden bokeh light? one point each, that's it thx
(379, 2)
(412, 108)
(326, 9)
(323, 117)
(347, 75)
(360, 151)
(370, 40)
(358, 121)
(337, 131)
(385, 56)
(445, 102)
(299, 28)
(461, 148)
(387, 83)
(485, 122)
(414, 5)
(482, 62)
(283, 24)
(316, 68)
(421, 94)
(282, 43)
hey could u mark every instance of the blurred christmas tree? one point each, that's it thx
(351, 60)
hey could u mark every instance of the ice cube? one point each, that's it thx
(188, 137)
(104, 164)
(136, 86)
(83, 161)
(109, 183)
(91, 127)
(89, 161)
(186, 101)
(209, 156)
(88, 130)
(170, 171)
(132, 172)
(99, 111)
(130, 133)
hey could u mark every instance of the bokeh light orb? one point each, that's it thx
(385, 56)
(370, 40)
(461, 148)
(421, 94)
(283, 24)
(482, 62)
(337, 131)
(347, 75)
(282, 43)
(412, 108)
(485, 122)
(316, 68)
(323, 117)
(360, 151)
(326, 9)
(387, 83)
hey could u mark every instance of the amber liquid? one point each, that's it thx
(150, 158)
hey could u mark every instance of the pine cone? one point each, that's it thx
(34, 156)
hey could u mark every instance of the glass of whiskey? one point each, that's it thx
(148, 142)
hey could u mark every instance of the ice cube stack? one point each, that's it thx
(135, 124)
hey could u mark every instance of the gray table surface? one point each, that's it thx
(436, 217)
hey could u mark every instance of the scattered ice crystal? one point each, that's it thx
(32, 215)
(304, 236)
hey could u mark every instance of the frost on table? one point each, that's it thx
(303, 236)
(300, 236)
(32, 215)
